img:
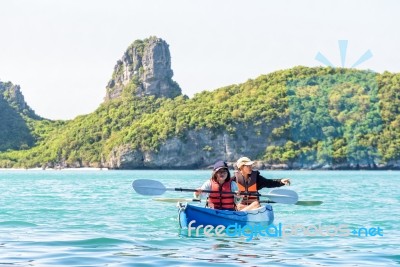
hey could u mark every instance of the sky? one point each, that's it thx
(62, 53)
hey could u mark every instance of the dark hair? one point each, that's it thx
(214, 175)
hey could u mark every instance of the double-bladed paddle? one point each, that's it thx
(155, 188)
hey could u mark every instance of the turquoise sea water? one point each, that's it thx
(94, 218)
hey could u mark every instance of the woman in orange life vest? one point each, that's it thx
(220, 182)
(249, 180)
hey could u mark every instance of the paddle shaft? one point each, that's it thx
(210, 191)
(299, 203)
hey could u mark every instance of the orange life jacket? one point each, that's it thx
(250, 186)
(221, 201)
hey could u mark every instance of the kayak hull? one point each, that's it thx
(195, 216)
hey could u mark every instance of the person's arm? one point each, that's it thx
(206, 186)
(263, 182)
(237, 198)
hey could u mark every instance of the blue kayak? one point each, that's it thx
(206, 216)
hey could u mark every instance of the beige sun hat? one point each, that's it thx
(244, 161)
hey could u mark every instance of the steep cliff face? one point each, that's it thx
(197, 150)
(12, 95)
(144, 69)
(14, 132)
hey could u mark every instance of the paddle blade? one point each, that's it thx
(284, 196)
(148, 187)
(309, 203)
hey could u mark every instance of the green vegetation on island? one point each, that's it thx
(318, 116)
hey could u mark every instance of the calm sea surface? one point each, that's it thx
(94, 218)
